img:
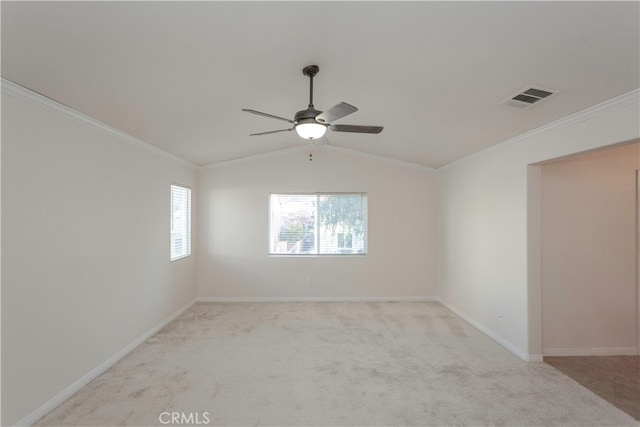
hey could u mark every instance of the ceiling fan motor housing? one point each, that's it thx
(311, 123)
(309, 113)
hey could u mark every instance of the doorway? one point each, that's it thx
(589, 258)
(588, 253)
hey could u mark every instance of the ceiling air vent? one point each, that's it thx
(527, 97)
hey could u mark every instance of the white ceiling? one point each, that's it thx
(176, 74)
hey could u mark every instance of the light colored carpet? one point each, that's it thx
(347, 364)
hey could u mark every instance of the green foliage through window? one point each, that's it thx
(318, 224)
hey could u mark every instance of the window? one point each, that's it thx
(180, 222)
(345, 240)
(318, 224)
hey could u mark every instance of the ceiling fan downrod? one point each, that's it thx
(311, 71)
(310, 123)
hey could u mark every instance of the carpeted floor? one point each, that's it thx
(347, 364)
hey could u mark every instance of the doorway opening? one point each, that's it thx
(584, 219)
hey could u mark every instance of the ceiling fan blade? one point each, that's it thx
(260, 113)
(356, 128)
(271, 131)
(336, 112)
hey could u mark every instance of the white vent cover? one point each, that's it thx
(528, 97)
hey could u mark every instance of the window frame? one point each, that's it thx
(189, 227)
(317, 225)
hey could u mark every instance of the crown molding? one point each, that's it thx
(378, 157)
(305, 147)
(621, 101)
(254, 157)
(27, 95)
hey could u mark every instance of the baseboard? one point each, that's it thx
(600, 351)
(317, 299)
(59, 398)
(506, 344)
(536, 358)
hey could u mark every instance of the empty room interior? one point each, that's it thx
(320, 213)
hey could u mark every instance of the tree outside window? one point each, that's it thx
(318, 224)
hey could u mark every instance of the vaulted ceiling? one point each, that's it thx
(434, 74)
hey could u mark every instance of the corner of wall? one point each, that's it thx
(534, 261)
(497, 338)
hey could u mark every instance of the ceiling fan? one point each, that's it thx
(311, 123)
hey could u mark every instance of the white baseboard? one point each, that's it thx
(515, 350)
(535, 358)
(59, 398)
(602, 351)
(506, 344)
(317, 299)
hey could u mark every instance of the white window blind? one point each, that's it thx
(180, 222)
(318, 224)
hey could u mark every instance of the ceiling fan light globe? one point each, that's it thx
(311, 130)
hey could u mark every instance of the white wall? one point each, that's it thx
(85, 248)
(85, 267)
(488, 260)
(233, 260)
(588, 253)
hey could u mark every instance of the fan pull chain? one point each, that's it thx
(310, 157)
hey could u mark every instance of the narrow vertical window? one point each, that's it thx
(180, 222)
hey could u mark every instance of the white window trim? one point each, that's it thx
(189, 223)
(319, 193)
